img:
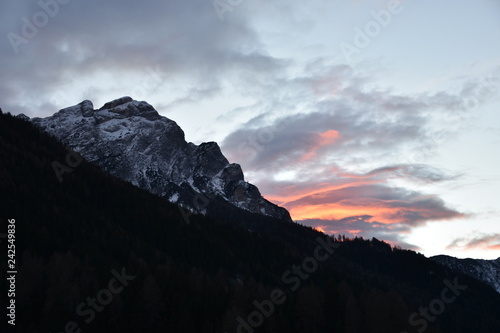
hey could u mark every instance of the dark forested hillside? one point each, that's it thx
(97, 254)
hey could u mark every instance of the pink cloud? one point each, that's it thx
(483, 241)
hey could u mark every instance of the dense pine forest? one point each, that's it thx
(97, 254)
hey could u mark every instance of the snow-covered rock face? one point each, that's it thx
(130, 140)
(487, 271)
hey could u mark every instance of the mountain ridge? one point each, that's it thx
(487, 271)
(132, 141)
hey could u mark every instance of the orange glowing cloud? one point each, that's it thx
(494, 247)
(320, 228)
(340, 210)
(384, 213)
(330, 136)
(323, 139)
(363, 197)
(293, 193)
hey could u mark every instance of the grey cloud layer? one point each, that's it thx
(387, 133)
(85, 39)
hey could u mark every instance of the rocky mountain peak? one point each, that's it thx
(132, 141)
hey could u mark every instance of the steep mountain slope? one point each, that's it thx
(487, 271)
(209, 275)
(130, 140)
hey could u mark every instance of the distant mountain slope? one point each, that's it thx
(73, 238)
(487, 271)
(130, 140)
